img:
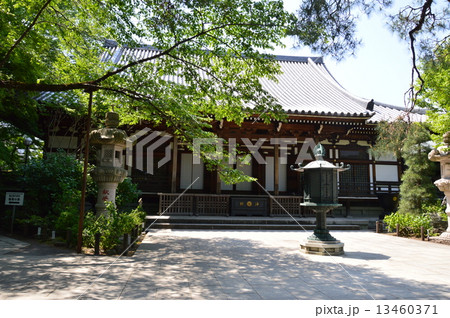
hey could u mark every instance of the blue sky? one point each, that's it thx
(381, 67)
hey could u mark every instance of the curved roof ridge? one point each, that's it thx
(416, 109)
(301, 59)
(335, 83)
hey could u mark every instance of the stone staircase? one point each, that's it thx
(253, 223)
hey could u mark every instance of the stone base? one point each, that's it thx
(326, 248)
(445, 236)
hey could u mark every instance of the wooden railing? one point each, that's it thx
(386, 187)
(175, 204)
(285, 205)
(219, 205)
(193, 204)
(279, 205)
(212, 204)
(364, 188)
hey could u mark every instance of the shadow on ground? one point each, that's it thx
(177, 267)
(366, 256)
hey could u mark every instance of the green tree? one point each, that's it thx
(52, 186)
(409, 141)
(10, 141)
(417, 187)
(59, 46)
(435, 94)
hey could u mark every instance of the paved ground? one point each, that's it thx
(8, 244)
(182, 264)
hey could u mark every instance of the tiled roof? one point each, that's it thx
(305, 87)
(384, 112)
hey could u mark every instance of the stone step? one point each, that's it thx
(228, 220)
(235, 226)
(253, 223)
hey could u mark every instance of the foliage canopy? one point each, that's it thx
(55, 45)
(409, 141)
(435, 95)
(59, 46)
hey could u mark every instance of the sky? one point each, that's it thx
(381, 67)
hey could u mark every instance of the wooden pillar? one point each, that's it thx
(218, 182)
(276, 168)
(173, 187)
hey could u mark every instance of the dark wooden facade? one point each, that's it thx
(278, 190)
(318, 109)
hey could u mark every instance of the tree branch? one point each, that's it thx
(167, 51)
(95, 84)
(146, 99)
(35, 87)
(425, 11)
(24, 34)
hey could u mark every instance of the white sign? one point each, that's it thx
(14, 198)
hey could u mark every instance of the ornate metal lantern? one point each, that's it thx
(321, 195)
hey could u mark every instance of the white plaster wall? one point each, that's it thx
(270, 175)
(189, 172)
(386, 173)
(247, 170)
(270, 185)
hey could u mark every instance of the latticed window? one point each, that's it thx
(355, 181)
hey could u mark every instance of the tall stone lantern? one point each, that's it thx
(321, 195)
(109, 172)
(442, 154)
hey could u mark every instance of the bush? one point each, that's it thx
(111, 227)
(433, 219)
(52, 188)
(439, 218)
(127, 193)
(53, 193)
(409, 224)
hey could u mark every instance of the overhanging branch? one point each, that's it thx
(425, 12)
(167, 51)
(38, 87)
(24, 34)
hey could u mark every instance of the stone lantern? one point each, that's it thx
(442, 154)
(321, 195)
(109, 172)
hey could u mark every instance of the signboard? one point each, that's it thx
(249, 206)
(14, 198)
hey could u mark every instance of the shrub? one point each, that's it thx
(127, 193)
(409, 224)
(439, 218)
(53, 193)
(52, 187)
(111, 227)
